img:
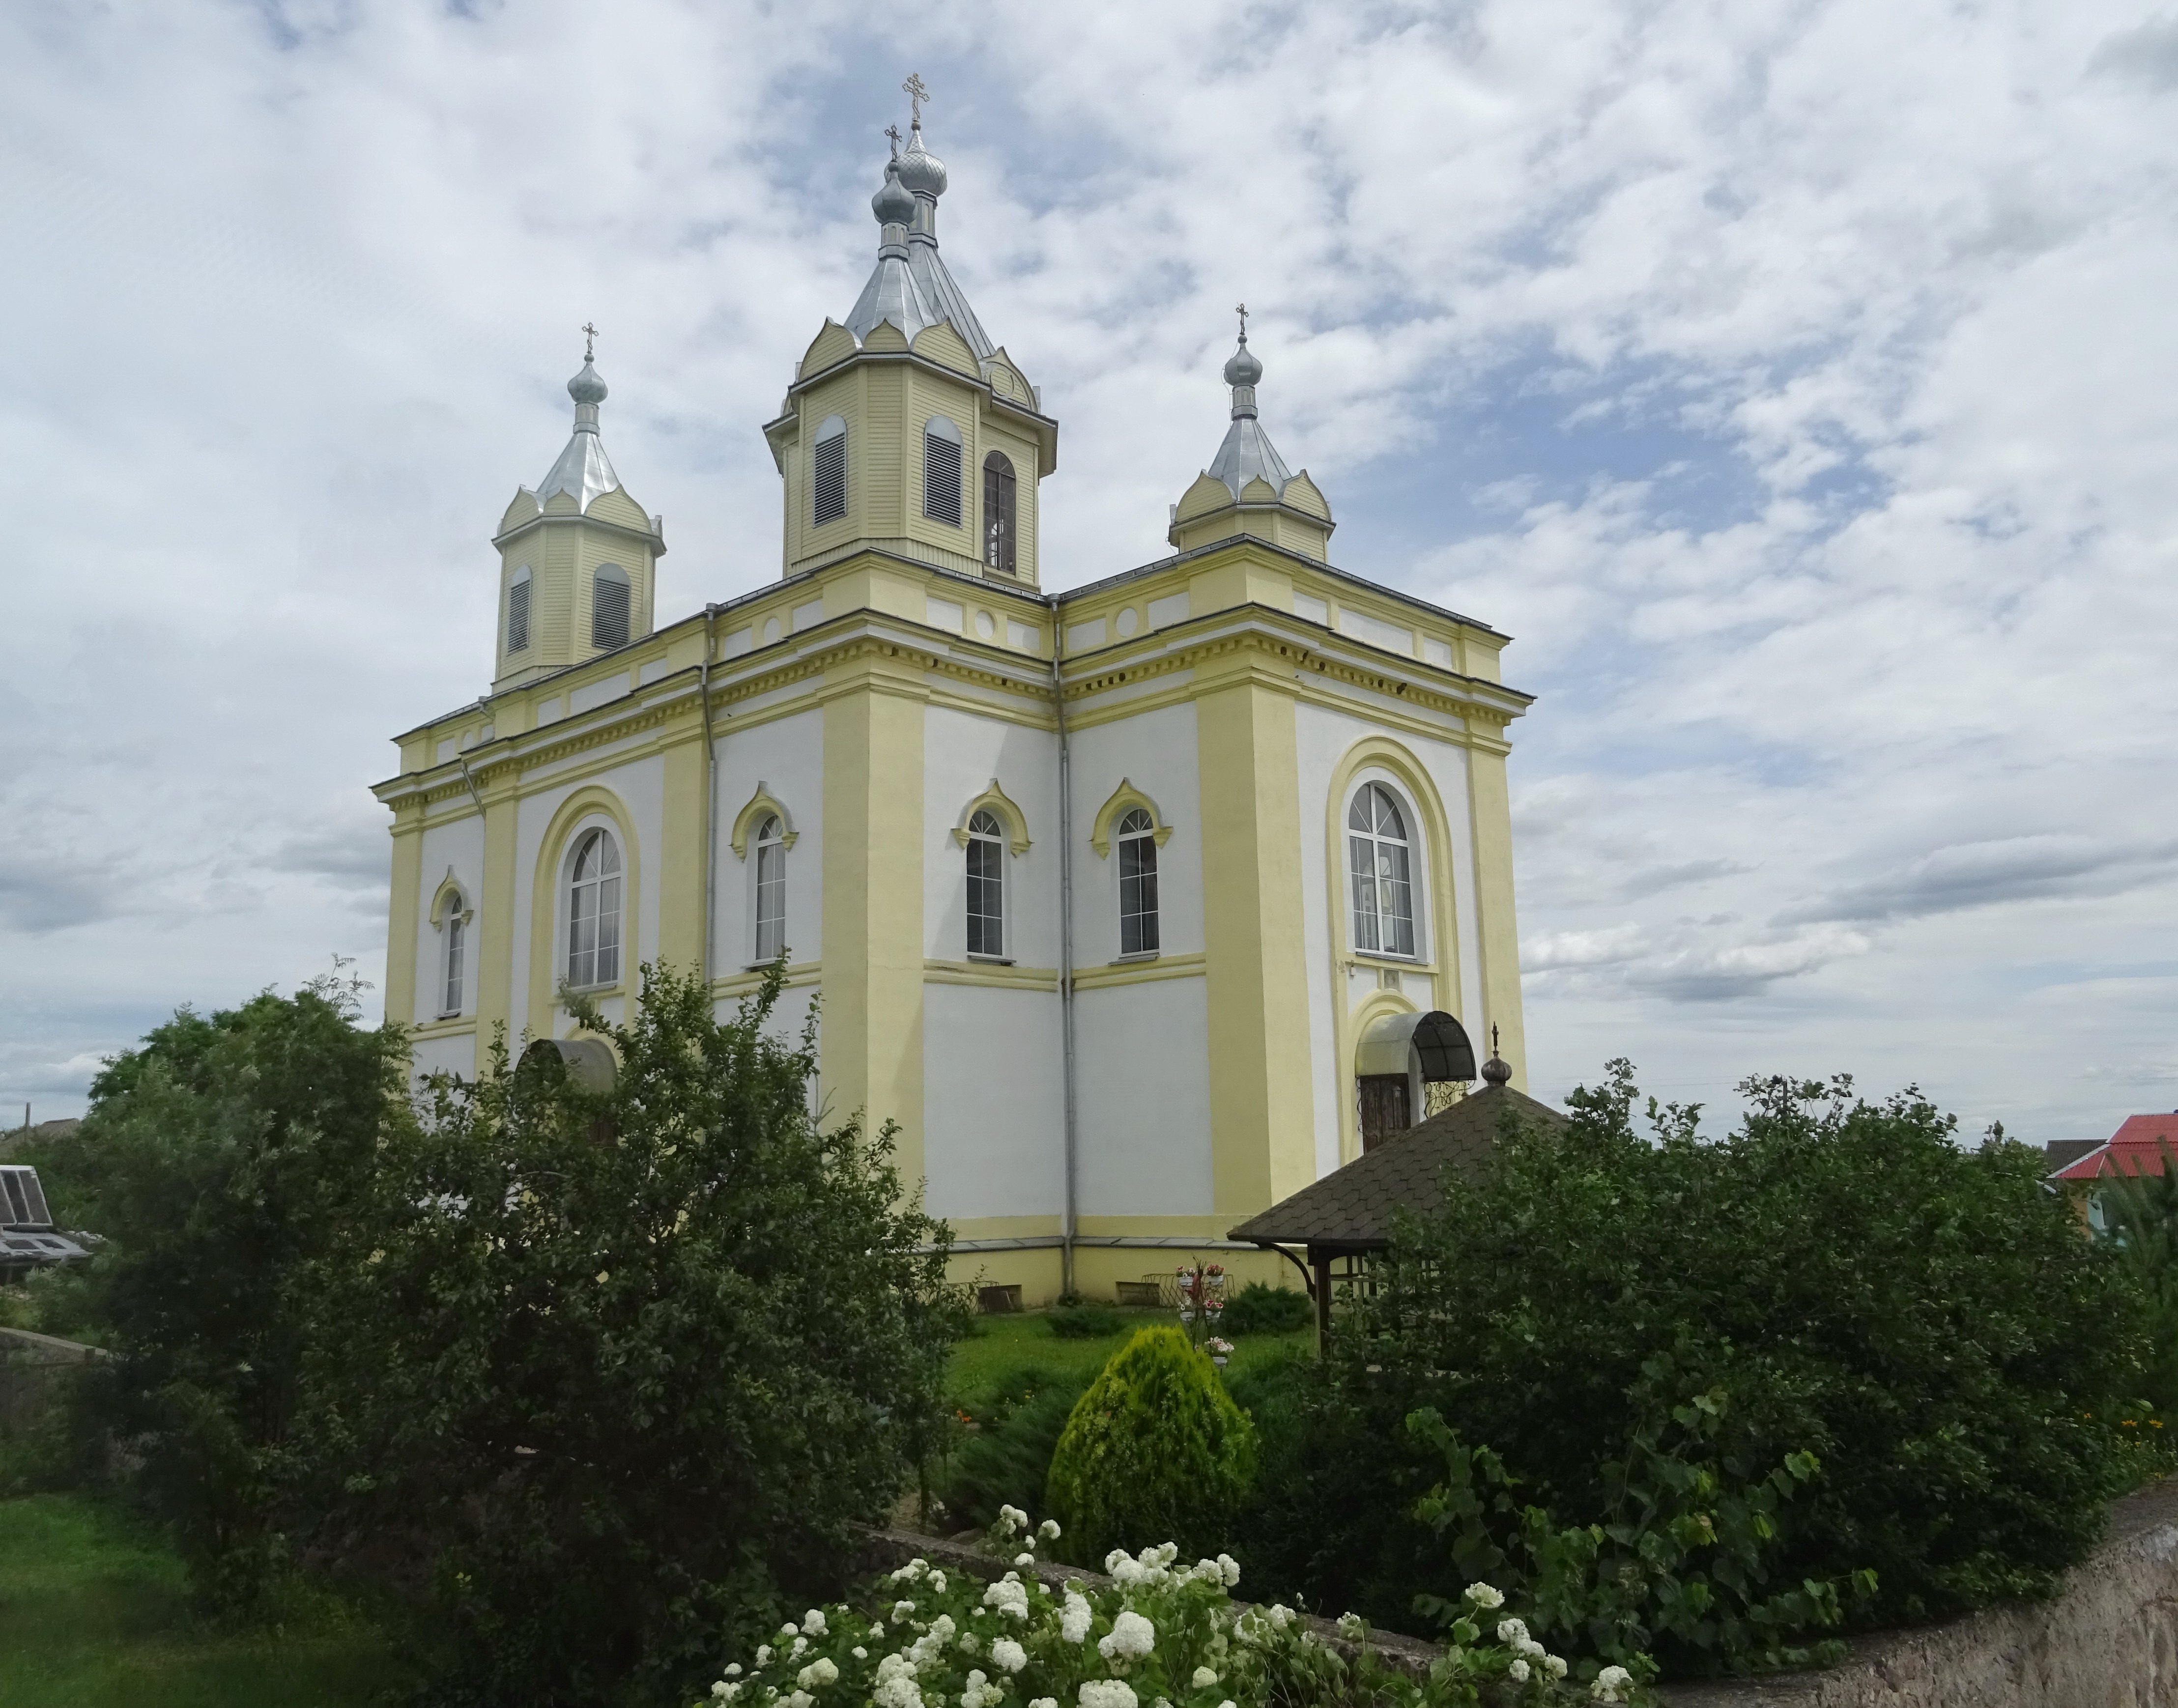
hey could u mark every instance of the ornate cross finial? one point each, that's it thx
(1242, 311)
(1493, 1038)
(917, 94)
(892, 135)
(589, 341)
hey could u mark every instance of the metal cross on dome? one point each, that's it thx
(589, 341)
(917, 94)
(1241, 309)
(892, 135)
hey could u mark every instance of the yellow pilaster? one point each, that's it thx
(495, 924)
(401, 920)
(1500, 948)
(681, 896)
(871, 1034)
(1262, 1143)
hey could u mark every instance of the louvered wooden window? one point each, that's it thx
(941, 471)
(828, 482)
(609, 607)
(999, 513)
(518, 612)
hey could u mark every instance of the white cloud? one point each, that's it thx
(1793, 383)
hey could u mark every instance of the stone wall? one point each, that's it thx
(2108, 1640)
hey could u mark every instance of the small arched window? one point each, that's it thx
(770, 889)
(986, 885)
(609, 607)
(517, 611)
(456, 944)
(1378, 859)
(594, 912)
(1136, 837)
(999, 513)
(941, 471)
(828, 472)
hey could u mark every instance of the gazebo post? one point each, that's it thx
(1320, 1261)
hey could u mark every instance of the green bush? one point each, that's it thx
(1155, 1447)
(1845, 1279)
(1256, 1309)
(621, 1370)
(1004, 1459)
(1084, 1322)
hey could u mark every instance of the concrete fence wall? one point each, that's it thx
(2109, 1639)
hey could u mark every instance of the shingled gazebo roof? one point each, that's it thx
(1351, 1208)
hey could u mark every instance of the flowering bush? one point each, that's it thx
(1159, 1635)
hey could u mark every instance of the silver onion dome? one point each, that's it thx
(921, 170)
(893, 204)
(586, 387)
(1241, 367)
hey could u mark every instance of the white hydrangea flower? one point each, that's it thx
(1513, 1631)
(1351, 1626)
(1009, 1654)
(1484, 1597)
(970, 1643)
(1074, 1619)
(938, 1582)
(1203, 1680)
(877, 1627)
(813, 1622)
(1518, 1671)
(1048, 1530)
(859, 1652)
(1528, 1648)
(800, 1699)
(726, 1692)
(980, 1691)
(1108, 1693)
(1008, 1596)
(1012, 1519)
(1281, 1615)
(1231, 1568)
(911, 1571)
(818, 1672)
(1131, 1637)
(787, 1630)
(763, 1653)
(1024, 1559)
(1610, 1682)
(1555, 1665)
(901, 1610)
(800, 1643)
(1045, 1702)
(899, 1691)
(734, 1671)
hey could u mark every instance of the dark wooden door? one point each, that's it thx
(1385, 1107)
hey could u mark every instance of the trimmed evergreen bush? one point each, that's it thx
(1260, 1310)
(1155, 1447)
(1084, 1322)
(1003, 1459)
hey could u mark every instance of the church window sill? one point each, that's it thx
(992, 960)
(1134, 959)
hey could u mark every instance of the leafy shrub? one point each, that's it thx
(1256, 1309)
(1923, 1319)
(1084, 1322)
(219, 1159)
(1155, 1447)
(1162, 1632)
(621, 1370)
(1004, 1460)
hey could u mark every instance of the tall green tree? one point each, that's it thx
(217, 1159)
(617, 1370)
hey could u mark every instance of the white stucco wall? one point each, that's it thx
(786, 757)
(454, 1055)
(1156, 752)
(994, 1141)
(1142, 1099)
(457, 846)
(961, 753)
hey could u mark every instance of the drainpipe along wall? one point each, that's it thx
(1065, 948)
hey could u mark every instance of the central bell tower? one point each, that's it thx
(906, 430)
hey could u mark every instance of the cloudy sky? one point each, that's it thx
(1797, 382)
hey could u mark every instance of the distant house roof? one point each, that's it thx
(2135, 1148)
(2061, 1153)
(1351, 1209)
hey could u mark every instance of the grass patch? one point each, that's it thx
(95, 1613)
(1008, 1342)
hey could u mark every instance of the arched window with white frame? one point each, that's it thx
(594, 891)
(770, 889)
(1136, 841)
(453, 952)
(1381, 869)
(987, 884)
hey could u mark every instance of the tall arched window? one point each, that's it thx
(457, 936)
(986, 885)
(517, 611)
(999, 513)
(1136, 837)
(1377, 857)
(941, 471)
(770, 889)
(594, 912)
(609, 607)
(828, 472)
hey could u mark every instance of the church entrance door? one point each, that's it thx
(1385, 1105)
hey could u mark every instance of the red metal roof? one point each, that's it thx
(2135, 1148)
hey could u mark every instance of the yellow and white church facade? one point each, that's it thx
(1131, 904)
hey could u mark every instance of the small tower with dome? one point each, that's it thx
(578, 557)
(1247, 488)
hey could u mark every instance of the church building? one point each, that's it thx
(1139, 905)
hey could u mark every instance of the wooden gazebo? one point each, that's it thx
(1348, 1214)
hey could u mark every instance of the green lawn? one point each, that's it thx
(1007, 1343)
(94, 1614)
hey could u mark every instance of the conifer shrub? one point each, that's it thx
(1256, 1309)
(1004, 1459)
(1155, 1447)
